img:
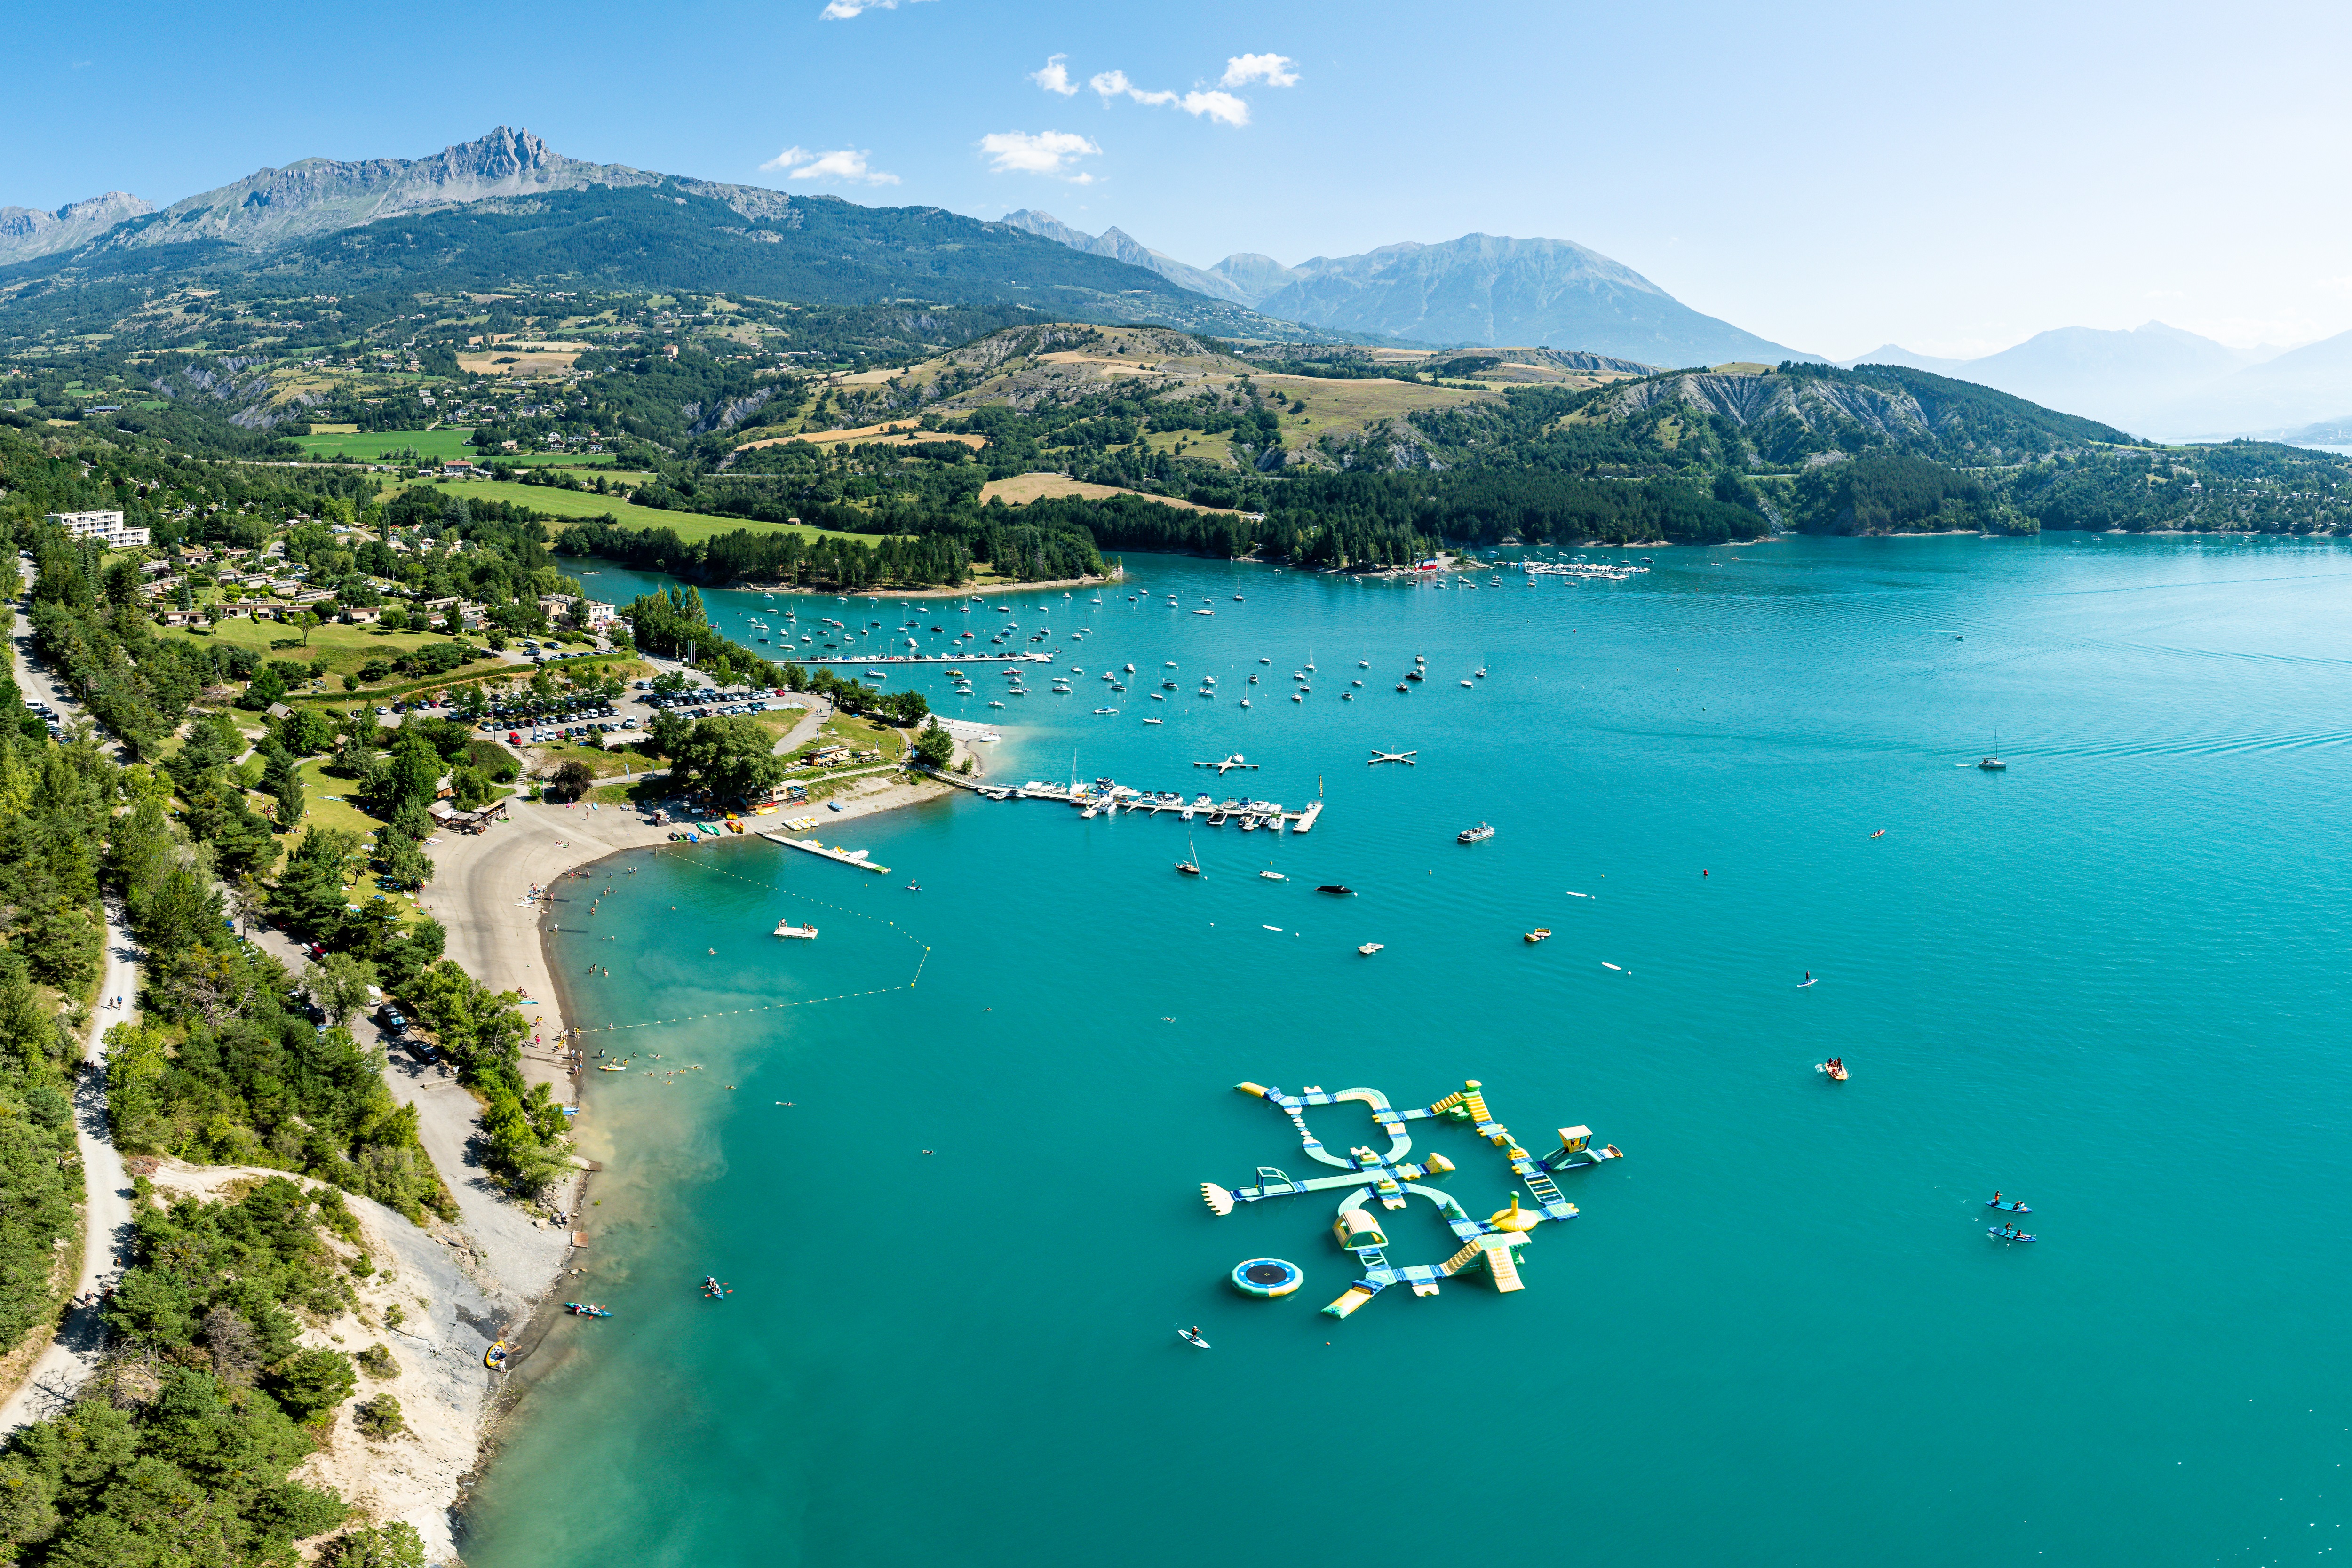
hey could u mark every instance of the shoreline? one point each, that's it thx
(750, 587)
(508, 944)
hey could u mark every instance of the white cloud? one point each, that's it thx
(843, 10)
(1043, 152)
(1222, 107)
(843, 164)
(1055, 77)
(1274, 70)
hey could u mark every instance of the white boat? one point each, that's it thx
(1154, 720)
(1204, 612)
(1370, 948)
(786, 927)
(1274, 876)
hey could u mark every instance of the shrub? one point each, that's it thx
(377, 1362)
(379, 1417)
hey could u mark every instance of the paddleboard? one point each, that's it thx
(1618, 967)
(1997, 1234)
(2005, 1204)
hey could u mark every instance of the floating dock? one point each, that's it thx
(846, 857)
(1493, 1243)
(1104, 797)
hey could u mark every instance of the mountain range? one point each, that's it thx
(1480, 289)
(507, 209)
(2159, 381)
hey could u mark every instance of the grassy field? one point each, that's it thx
(345, 648)
(1217, 448)
(1343, 407)
(1022, 489)
(440, 446)
(571, 504)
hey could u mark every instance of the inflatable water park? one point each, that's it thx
(1498, 1242)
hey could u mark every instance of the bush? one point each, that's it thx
(393, 1545)
(377, 1362)
(379, 1417)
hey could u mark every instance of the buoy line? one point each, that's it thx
(804, 1002)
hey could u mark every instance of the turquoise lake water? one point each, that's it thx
(2111, 981)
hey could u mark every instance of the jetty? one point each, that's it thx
(1404, 757)
(1589, 570)
(1496, 1243)
(1108, 797)
(1228, 765)
(845, 856)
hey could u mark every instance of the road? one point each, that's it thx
(74, 1354)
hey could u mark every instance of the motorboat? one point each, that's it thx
(1370, 948)
(786, 927)
(1477, 835)
(1541, 934)
(1274, 876)
(1334, 887)
(1834, 1067)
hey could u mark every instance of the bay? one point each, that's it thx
(2110, 980)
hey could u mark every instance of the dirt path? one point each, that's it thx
(73, 1355)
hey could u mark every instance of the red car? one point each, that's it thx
(514, 737)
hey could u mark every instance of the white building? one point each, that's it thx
(104, 526)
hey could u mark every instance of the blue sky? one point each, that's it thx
(1831, 176)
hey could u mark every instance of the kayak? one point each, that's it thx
(2006, 1203)
(1999, 1235)
(495, 1357)
(587, 1309)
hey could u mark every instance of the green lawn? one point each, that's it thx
(441, 445)
(345, 648)
(689, 526)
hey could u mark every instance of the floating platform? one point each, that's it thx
(1369, 1175)
(845, 856)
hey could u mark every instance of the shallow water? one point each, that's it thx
(2110, 980)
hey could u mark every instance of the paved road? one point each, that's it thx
(74, 1354)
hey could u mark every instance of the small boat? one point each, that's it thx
(1106, 709)
(1204, 613)
(1993, 764)
(1414, 674)
(786, 927)
(1541, 934)
(1477, 835)
(1880, 834)
(1834, 1067)
(1245, 701)
(1465, 683)
(2011, 1206)
(1192, 1337)
(1190, 867)
(1402, 687)
(1363, 664)
(714, 1290)
(1153, 720)
(1336, 887)
(587, 1309)
(1370, 948)
(495, 1357)
(613, 1066)
(1274, 876)
(1999, 1233)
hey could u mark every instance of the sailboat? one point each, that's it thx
(1190, 867)
(1993, 764)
